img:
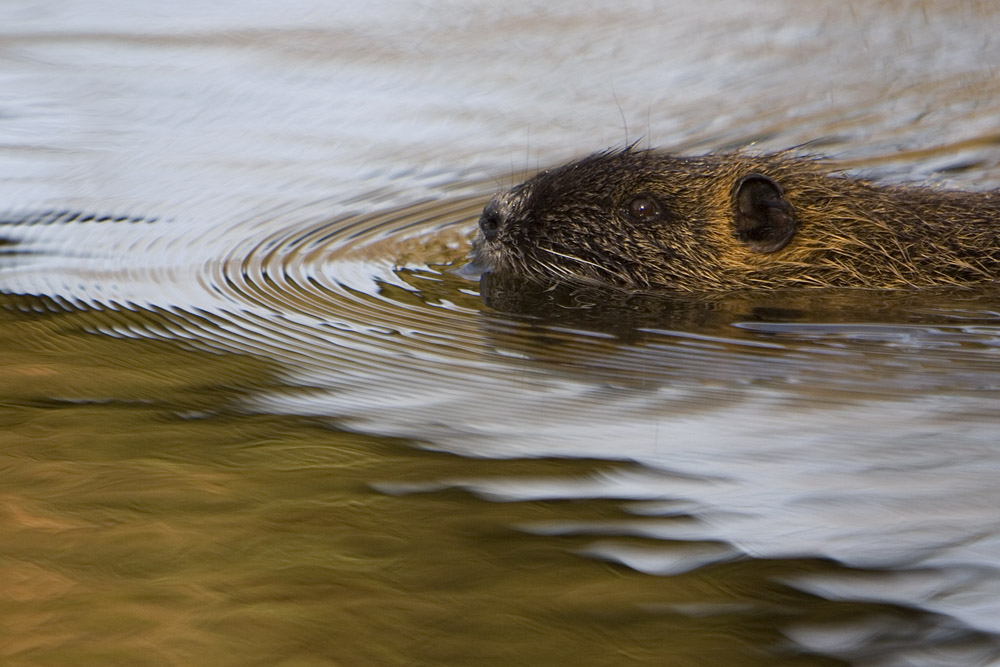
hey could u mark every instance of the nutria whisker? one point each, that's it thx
(569, 273)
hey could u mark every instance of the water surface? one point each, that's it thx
(249, 414)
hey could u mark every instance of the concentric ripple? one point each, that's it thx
(783, 425)
(370, 296)
(363, 310)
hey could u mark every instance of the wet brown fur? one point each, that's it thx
(570, 224)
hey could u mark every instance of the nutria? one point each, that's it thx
(646, 220)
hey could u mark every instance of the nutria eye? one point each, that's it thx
(644, 209)
(491, 220)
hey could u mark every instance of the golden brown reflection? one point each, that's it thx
(147, 521)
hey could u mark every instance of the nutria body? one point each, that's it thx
(646, 220)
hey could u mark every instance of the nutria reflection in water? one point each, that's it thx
(647, 220)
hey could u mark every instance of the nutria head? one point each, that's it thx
(641, 220)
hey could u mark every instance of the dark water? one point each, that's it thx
(250, 416)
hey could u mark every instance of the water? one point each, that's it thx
(249, 414)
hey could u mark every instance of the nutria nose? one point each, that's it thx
(491, 220)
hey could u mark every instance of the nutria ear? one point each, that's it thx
(762, 217)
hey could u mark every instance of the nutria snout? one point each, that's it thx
(646, 220)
